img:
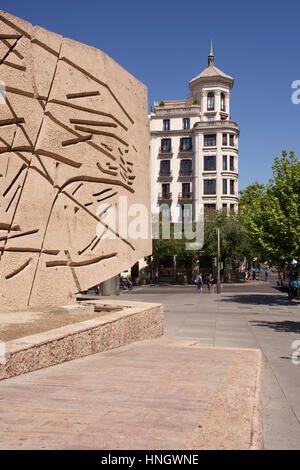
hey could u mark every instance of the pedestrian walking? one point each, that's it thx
(199, 283)
(266, 274)
(209, 282)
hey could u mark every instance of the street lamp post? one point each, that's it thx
(219, 262)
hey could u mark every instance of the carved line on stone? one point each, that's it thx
(45, 46)
(9, 36)
(123, 176)
(88, 110)
(14, 66)
(18, 270)
(12, 25)
(48, 177)
(12, 199)
(29, 232)
(99, 220)
(97, 241)
(8, 227)
(12, 249)
(101, 192)
(82, 94)
(107, 197)
(77, 140)
(77, 264)
(69, 129)
(95, 131)
(58, 157)
(103, 170)
(17, 91)
(76, 189)
(73, 272)
(11, 48)
(14, 179)
(92, 179)
(15, 120)
(89, 75)
(106, 146)
(93, 123)
(84, 249)
(19, 125)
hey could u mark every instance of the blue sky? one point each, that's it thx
(165, 43)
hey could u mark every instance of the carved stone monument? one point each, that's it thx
(73, 135)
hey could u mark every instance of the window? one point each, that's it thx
(224, 140)
(224, 162)
(165, 168)
(209, 207)
(166, 190)
(210, 101)
(231, 140)
(210, 163)
(210, 118)
(222, 102)
(210, 140)
(186, 123)
(186, 167)
(224, 186)
(186, 212)
(231, 165)
(186, 143)
(231, 186)
(165, 211)
(224, 207)
(166, 124)
(166, 145)
(231, 207)
(186, 189)
(209, 186)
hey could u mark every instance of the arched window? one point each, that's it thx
(210, 101)
(222, 102)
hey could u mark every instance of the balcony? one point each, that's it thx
(165, 153)
(185, 151)
(188, 196)
(165, 197)
(165, 176)
(185, 175)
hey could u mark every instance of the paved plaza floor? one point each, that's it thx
(252, 315)
(62, 406)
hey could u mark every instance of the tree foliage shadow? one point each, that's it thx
(284, 326)
(258, 299)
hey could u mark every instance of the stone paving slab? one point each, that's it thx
(160, 394)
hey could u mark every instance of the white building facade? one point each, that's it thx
(194, 149)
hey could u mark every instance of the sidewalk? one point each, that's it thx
(156, 394)
(251, 317)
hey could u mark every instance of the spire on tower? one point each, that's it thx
(211, 57)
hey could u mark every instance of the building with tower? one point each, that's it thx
(194, 148)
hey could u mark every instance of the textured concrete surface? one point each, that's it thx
(74, 139)
(149, 395)
(135, 321)
(254, 315)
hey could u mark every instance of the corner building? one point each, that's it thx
(194, 148)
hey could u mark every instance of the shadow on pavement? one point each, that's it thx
(280, 326)
(259, 299)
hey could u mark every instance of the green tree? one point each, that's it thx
(235, 242)
(273, 215)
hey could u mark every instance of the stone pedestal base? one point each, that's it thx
(135, 321)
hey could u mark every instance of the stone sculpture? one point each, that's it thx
(73, 135)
